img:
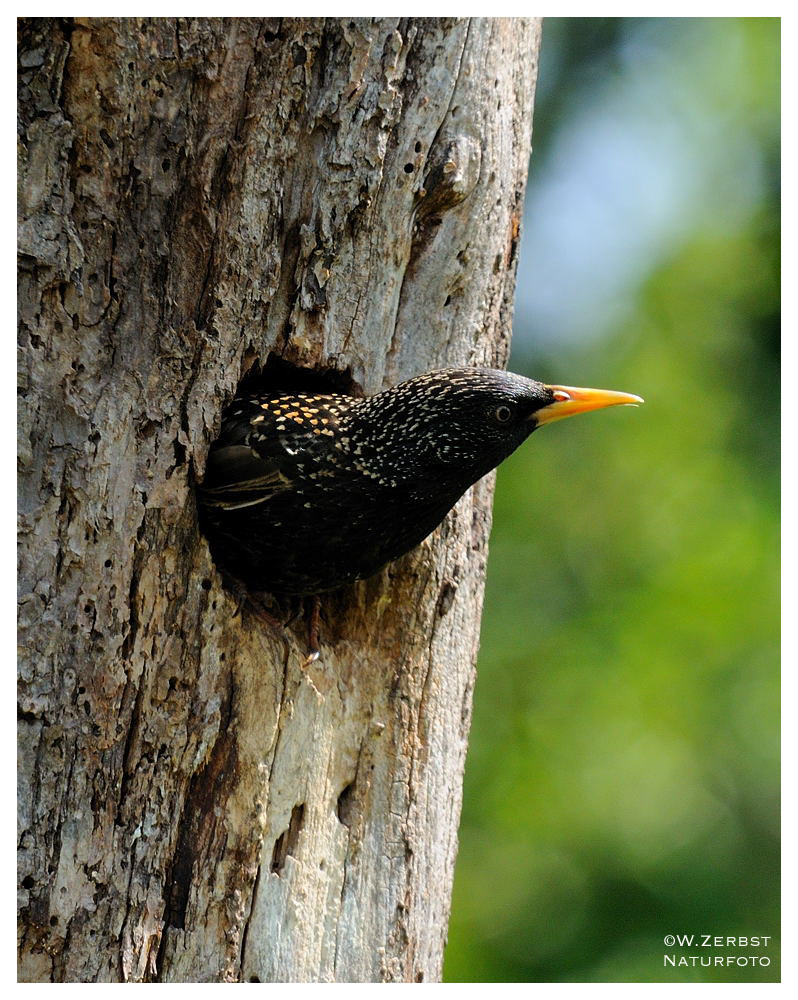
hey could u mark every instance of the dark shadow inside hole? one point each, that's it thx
(287, 842)
(346, 805)
(281, 376)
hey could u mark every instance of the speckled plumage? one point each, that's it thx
(304, 493)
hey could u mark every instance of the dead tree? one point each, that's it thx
(201, 200)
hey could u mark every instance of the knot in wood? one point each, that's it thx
(454, 172)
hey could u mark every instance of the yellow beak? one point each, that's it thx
(569, 400)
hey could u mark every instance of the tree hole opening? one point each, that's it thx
(346, 805)
(280, 376)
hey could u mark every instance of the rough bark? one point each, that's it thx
(196, 195)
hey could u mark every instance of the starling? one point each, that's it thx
(304, 493)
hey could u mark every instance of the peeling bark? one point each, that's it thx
(195, 196)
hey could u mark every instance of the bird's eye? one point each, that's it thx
(503, 414)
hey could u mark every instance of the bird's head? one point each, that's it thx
(475, 417)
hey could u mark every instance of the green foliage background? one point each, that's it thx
(623, 774)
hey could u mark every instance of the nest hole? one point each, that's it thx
(280, 376)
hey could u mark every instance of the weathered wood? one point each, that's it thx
(196, 194)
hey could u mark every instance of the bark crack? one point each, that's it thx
(417, 242)
(346, 809)
(286, 844)
(248, 920)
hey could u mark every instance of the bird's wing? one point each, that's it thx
(238, 476)
(261, 454)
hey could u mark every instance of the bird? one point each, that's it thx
(305, 493)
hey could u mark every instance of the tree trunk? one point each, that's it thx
(197, 196)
